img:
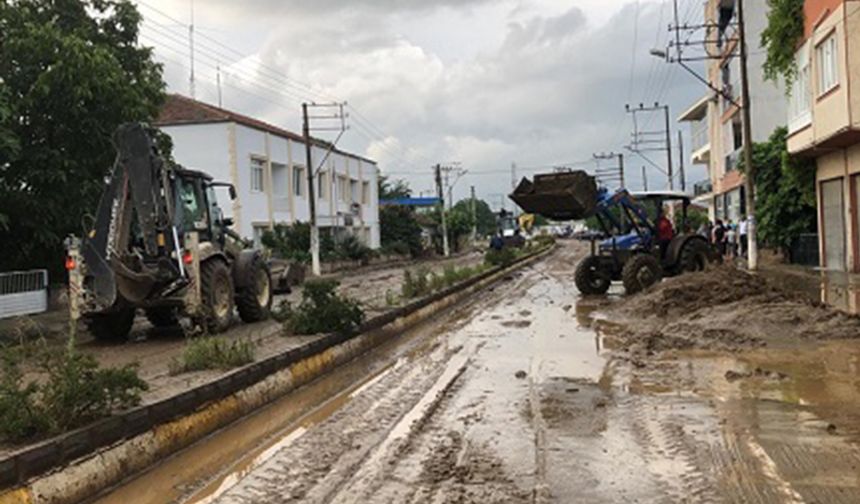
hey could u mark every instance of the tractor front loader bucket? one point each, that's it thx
(558, 196)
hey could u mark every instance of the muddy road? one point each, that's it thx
(520, 396)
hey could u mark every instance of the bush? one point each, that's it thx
(209, 352)
(502, 257)
(423, 282)
(350, 247)
(72, 392)
(544, 240)
(397, 248)
(322, 310)
(290, 242)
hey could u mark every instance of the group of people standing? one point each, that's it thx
(730, 238)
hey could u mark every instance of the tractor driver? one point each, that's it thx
(665, 233)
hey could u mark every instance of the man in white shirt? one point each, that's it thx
(742, 231)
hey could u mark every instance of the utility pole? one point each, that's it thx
(681, 162)
(313, 171)
(474, 217)
(191, 85)
(612, 173)
(669, 148)
(644, 179)
(653, 141)
(441, 205)
(315, 232)
(218, 77)
(752, 262)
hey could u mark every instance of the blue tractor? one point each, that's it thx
(627, 250)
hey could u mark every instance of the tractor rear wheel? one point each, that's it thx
(694, 256)
(162, 317)
(216, 293)
(254, 299)
(591, 278)
(113, 326)
(640, 272)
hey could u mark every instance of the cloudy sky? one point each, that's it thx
(486, 83)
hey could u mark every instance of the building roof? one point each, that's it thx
(179, 110)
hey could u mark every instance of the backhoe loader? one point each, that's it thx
(160, 243)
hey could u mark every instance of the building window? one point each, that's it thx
(322, 186)
(298, 180)
(343, 188)
(800, 102)
(353, 191)
(280, 181)
(828, 69)
(365, 193)
(257, 175)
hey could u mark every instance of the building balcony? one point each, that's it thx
(700, 134)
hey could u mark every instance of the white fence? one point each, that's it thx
(23, 293)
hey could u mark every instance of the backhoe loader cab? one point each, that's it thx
(160, 243)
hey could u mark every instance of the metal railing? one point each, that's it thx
(23, 293)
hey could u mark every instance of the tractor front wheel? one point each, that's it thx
(640, 272)
(216, 289)
(591, 278)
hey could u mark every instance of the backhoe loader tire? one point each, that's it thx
(694, 256)
(216, 295)
(113, 326)
(590, 277)
(162, 317)
(640, 272)
(254, 299)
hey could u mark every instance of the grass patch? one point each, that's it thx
(323, 310)
(423, 282)
(210, 352)
(71, 390)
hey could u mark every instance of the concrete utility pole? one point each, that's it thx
(644, 179)
(752, 261)
(681, 161)
(315, 232)
(441, 194)
(669, 148)
(474, 217)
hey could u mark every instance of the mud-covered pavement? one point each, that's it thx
(521, 397)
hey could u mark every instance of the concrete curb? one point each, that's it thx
(74, 466)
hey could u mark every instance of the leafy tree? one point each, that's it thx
(785, 193)
(784, 29)
(486, 219)
(399, 229)
(71, 71)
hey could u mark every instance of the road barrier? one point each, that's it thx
(23, 293)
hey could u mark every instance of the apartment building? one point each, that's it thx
(824, 123)
(716, 120)
(267, 165)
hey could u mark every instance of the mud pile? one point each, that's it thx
(728, 309)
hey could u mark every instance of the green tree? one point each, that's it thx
(399, 229)
(784, 29)
(785, 193)
(71, 71)
(486, 219)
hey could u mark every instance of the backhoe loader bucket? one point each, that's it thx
(558, 196)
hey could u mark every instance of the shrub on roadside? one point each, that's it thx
(72, 390)
(210, 352)
(502, 257)
(323, 310)
(544, 240)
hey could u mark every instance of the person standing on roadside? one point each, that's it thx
(742, 234)
(731, 240)
(718, 237)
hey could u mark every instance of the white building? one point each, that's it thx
(266, 164)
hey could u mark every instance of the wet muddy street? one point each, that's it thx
(521, 396)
